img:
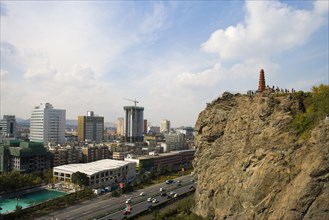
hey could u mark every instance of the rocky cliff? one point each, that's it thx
(250, 164)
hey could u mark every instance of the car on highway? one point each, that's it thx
(175, 195)
(142, 194)
(172, 193)
(128, 201)
(149, 199)
(169, 181)
(163, 194)
(126, 212)
(191, 187)
(155, 200)
(162, 189)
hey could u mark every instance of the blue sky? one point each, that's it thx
(172, 56)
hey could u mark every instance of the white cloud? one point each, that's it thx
(3, 74)
(63, 35)
(83, 56)
(321, 7)
(78, 74)
(206, 78)
(155, 20)
(251, 67)
(269, 27)
(40, 73)
(3, 9)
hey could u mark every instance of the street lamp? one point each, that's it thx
(17, 201)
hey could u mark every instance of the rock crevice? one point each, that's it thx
(249, 163)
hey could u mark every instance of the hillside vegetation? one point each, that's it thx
(316, 107)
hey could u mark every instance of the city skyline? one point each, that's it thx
(173, 57)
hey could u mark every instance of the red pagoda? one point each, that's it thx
(261, 82)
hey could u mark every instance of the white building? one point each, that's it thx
(47, 124)
(164, 126)
(101, 173)
(188, 131)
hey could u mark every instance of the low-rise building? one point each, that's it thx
(24, 157)
(65, 155)
(101, 173)
(120, 155)
(94, 153)
(174, 159)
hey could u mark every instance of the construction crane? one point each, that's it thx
(133, 100)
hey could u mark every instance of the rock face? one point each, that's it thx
(249, 163)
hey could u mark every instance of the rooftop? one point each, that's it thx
(93, 167)
(164, 154)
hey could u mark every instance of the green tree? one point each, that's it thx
(37, 181)
(18, 211)
(80, 179)
(47, 175)
(15, 181)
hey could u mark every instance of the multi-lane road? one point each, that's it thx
(112, 208)
(145, 205)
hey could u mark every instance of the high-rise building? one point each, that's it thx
(90, 127)
(164, 126)
(134, 123)
(47, 124)
(120, 126)
(8, 126)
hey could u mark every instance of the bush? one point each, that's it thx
(316, 104)
(115, 193)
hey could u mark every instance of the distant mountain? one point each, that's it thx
(23, 122)
(72, 122)
(110, 125)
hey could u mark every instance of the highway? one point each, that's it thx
(146, 205)
(102, 205)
